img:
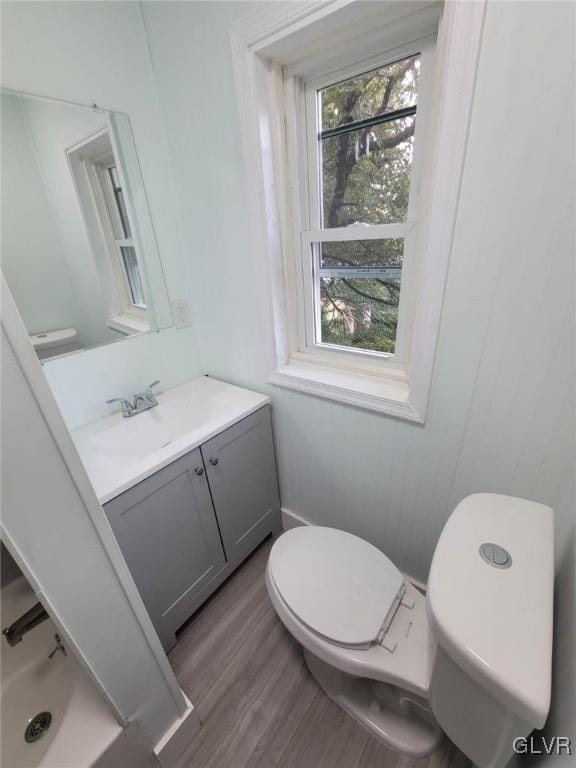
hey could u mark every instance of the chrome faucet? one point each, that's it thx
(140, 402)
(16, 631)
(59, 647)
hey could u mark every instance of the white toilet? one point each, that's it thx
(473, 658)
(62, 341)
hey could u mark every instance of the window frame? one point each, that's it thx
(111, 213)
(293, 39)
(302, 99)
(97, 203)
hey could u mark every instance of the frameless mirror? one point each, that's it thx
(78, 246)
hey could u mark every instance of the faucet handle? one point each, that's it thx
(59, 647)
(127, 405)
(149, 394)
(123, 400)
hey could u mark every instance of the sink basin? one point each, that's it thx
(142, 435)
(118, 453)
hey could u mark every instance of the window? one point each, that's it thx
(354, 132)
(104, 205)
(362, 206)
(121, 234)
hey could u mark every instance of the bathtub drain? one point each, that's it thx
(37, 727)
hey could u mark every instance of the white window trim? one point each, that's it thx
(124, 316)
(260, 45)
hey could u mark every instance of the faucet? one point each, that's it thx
(140, 402)
(59, 647)
(16, 631)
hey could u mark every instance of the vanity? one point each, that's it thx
(189, 488)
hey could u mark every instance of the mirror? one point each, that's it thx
(78, 246)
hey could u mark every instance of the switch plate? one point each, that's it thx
(181, 313)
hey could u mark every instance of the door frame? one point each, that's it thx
(177, 710)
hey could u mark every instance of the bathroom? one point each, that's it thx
(168, 215)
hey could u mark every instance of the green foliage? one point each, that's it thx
(382, 90)
(353, 320)
(366, 174)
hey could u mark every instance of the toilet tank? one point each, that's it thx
(57, 342)
(489, 603)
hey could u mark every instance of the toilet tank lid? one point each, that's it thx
(493, 615)
(57, 338)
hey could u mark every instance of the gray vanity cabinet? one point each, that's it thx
(241, 468)
(187, 527)
(167, 531)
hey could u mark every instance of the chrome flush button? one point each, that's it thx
(495, 555)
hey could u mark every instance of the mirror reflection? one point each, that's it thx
(78, 246)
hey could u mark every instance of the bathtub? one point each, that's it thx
(81, 726)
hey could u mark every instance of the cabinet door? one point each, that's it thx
(241, 468)
(167, 531)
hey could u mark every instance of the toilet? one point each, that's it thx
(49, 344)
(411, 667)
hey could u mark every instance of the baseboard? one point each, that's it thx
(292, 520)
(127, 751)
(178, 736)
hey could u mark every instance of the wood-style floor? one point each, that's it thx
(259, 706)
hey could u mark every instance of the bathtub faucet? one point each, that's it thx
(16, 631)
(59, 647)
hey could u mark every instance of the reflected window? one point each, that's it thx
(119, 222)
(105, 206)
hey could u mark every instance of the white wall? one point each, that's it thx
(502, 384)
(503, 388)
(93, 52)
(33, 258)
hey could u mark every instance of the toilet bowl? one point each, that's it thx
(411, 667)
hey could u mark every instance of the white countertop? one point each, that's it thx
(118, 453)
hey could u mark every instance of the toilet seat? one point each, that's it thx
(338, 585)
(407, 666)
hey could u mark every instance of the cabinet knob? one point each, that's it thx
(214, 460)
(199, 470)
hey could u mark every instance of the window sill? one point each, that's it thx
(128, 325)
(373, 393)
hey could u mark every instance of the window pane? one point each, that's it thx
(357, 254)
(120, 203)
(359, 293)
(383, 90)
(366, 174)
(359, 313)
(133, 275)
